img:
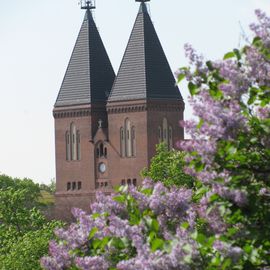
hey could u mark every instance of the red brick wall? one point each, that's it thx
(127, 167)
(146, 117)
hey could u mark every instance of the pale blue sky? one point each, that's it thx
(37, 38)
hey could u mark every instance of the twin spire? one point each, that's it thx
(143, 74)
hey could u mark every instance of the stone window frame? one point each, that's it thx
(128, 139)
(133, 141)
(128, 144)
(165, 133)
(68, 149)
(122, 142)
(73, 143)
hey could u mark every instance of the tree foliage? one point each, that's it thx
(31, 190)
(24, 231)
(167, 166)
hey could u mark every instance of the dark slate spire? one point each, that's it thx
(89, 76)
(144, 72)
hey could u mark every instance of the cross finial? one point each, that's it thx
(88, 4)
(100, 122)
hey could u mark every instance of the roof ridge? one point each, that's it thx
(143, 8)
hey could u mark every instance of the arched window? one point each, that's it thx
(128, 138)
(129, 182)
(170, 138)
(67, 145)
(73, 142)
(134, 182)
(101, 150)
(133, 141)
(122, 142)
(74, 185)
(78, 146)
(165, 130)
(68, 186)
(159, 135)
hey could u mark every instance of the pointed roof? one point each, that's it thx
(144, 72)
(89, 76)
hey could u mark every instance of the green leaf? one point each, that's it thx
(237, 53)
(254, 140)
(209, 65)
(257, 42)
(92, 233)
(215, 261)
(232, 150)
(193, 89)
(248, 249)
(227, 263)
(151, 236)
(185, 225)
(222, 210)
(194, 235)
(155, 225)
(180, 77)
(229, 55)
(96, 215)
(120, 198)
(201, 238)
(152, 223)
(96, 243)
(123, 189)
(147, 191)
(213, 198)
(187, 248)
(201, 122)
(157, 244)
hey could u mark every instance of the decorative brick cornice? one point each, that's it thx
(126, 108)
(69, 112)
(159, 106)
(116, 108)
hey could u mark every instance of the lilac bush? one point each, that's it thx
(223, 222)
(132, 229)
(229, 149)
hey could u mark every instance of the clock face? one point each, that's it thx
(102, 167)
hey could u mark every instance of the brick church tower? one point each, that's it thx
(106, 128)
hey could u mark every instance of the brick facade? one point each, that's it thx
(102, 144)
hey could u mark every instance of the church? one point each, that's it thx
(106, 125)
